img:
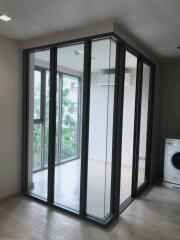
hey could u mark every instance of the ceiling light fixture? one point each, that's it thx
(5, 18)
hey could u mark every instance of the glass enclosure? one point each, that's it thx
(72, 136)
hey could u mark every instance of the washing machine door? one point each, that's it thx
(175, 160)
(172, 162)
(175, 172)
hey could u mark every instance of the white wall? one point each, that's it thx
(10, 117)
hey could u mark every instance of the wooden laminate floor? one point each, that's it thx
(155, 216)
(67, 186)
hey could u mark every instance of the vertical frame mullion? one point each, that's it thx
(25, 121)
(85, 127)
(117, 127)
(137, 127)
(52, 124)
(43, 105)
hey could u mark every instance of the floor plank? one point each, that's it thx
(155, 216)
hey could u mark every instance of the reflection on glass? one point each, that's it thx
(68, 125)
(143, 124)
(37, 94)
(38, 123)
(101, 128)
(128, 127)
(37, 134)
(46, 120)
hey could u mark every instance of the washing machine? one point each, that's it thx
(172, 163)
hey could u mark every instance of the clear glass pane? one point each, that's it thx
(37, 134)
(128, 126)
(38, 123)
(46, 118)
(101, 127)
(37, 94)
(69, 125)
(143, 124)
(70, 67)
(58, 118)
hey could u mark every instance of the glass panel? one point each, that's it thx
(37, 134)
(143, 124)
(38, 123)
(128, 126)
(101, 127)
(37, 94)
(69, 124)
(70, 67)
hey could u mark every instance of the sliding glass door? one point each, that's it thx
(70, 67)
(127, 152)
(135, 128)
(101, 114)
(38, 129)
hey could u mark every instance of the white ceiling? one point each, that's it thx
(154, 23)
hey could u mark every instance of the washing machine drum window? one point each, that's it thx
(176, 160)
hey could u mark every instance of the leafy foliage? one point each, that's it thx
(69, 129)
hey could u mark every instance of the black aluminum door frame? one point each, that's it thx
(52, 124)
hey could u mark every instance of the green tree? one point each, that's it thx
(69, 127)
